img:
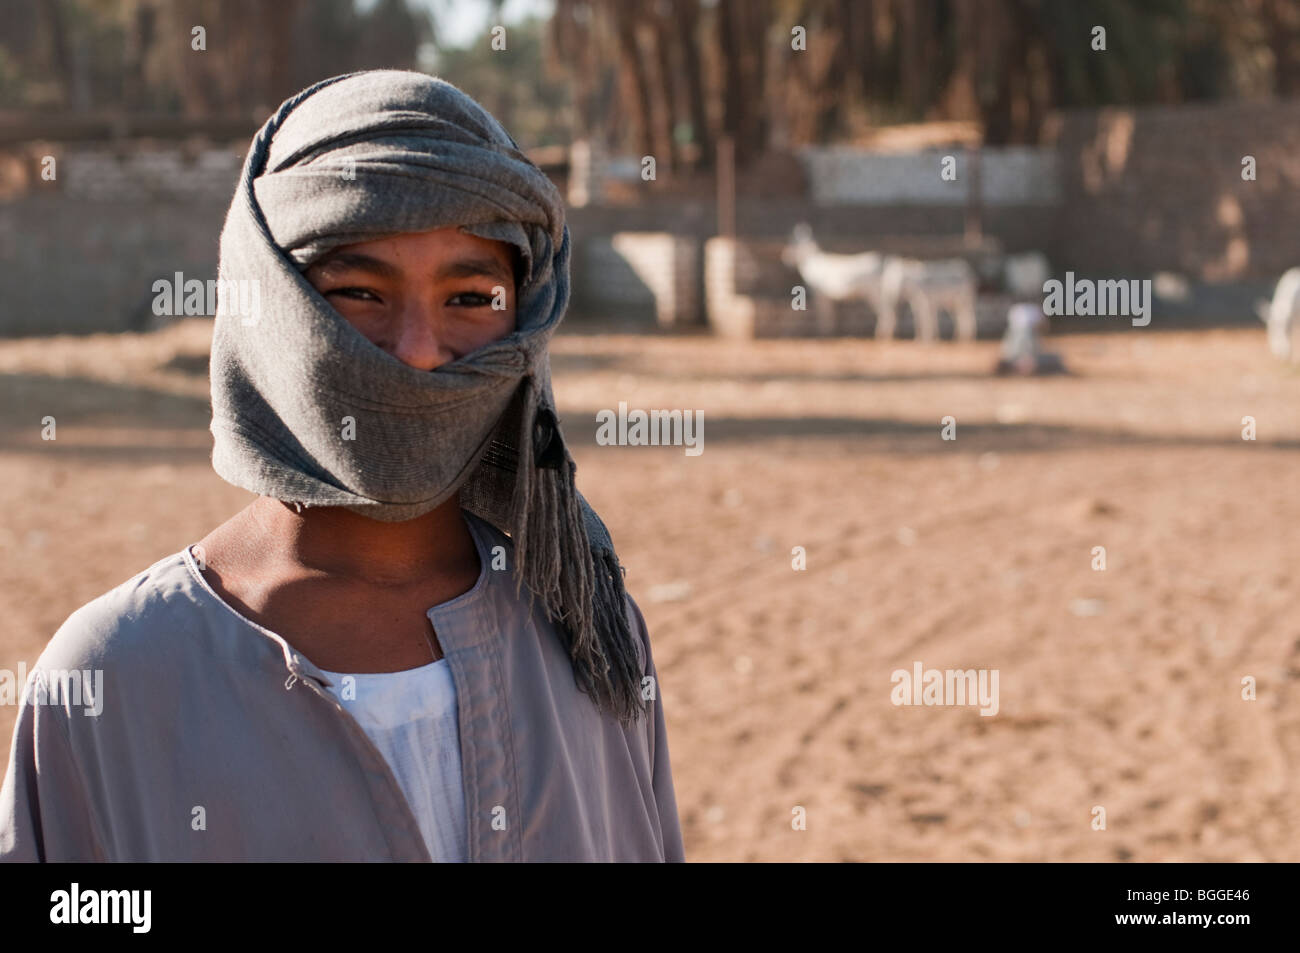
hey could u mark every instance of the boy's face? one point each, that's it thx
(425, 297)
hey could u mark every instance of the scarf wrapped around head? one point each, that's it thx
(307, 410)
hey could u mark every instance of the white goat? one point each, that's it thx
(833, 277)
(1281, 315)
(928, 287)
(1024, 275)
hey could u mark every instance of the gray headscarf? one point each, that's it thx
(307, 410)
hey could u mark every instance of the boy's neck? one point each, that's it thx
(335, 541)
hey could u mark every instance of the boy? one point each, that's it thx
(362, 664)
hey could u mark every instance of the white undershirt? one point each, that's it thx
(411, 718)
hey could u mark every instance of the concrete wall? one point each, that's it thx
(654, 275)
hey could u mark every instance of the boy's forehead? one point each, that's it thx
(394, 251)
(434, 245)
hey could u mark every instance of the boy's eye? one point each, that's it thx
(359, 294)
(481, 299)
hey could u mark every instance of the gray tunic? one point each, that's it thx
(217, 741)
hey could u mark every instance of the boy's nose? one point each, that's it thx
(419, 339)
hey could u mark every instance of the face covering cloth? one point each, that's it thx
(305, 409)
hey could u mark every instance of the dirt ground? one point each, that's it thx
(1119, 688)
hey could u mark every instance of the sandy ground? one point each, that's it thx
(1118, 688)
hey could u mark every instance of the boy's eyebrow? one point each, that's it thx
(460, 268)
(351, 259)
(469, 267)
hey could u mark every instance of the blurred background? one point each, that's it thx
(1002, 142)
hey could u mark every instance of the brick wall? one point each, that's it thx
(1010, 176)
(80, 254)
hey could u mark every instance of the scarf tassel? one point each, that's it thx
(565, 558)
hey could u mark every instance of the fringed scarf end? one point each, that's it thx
(580, 585)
